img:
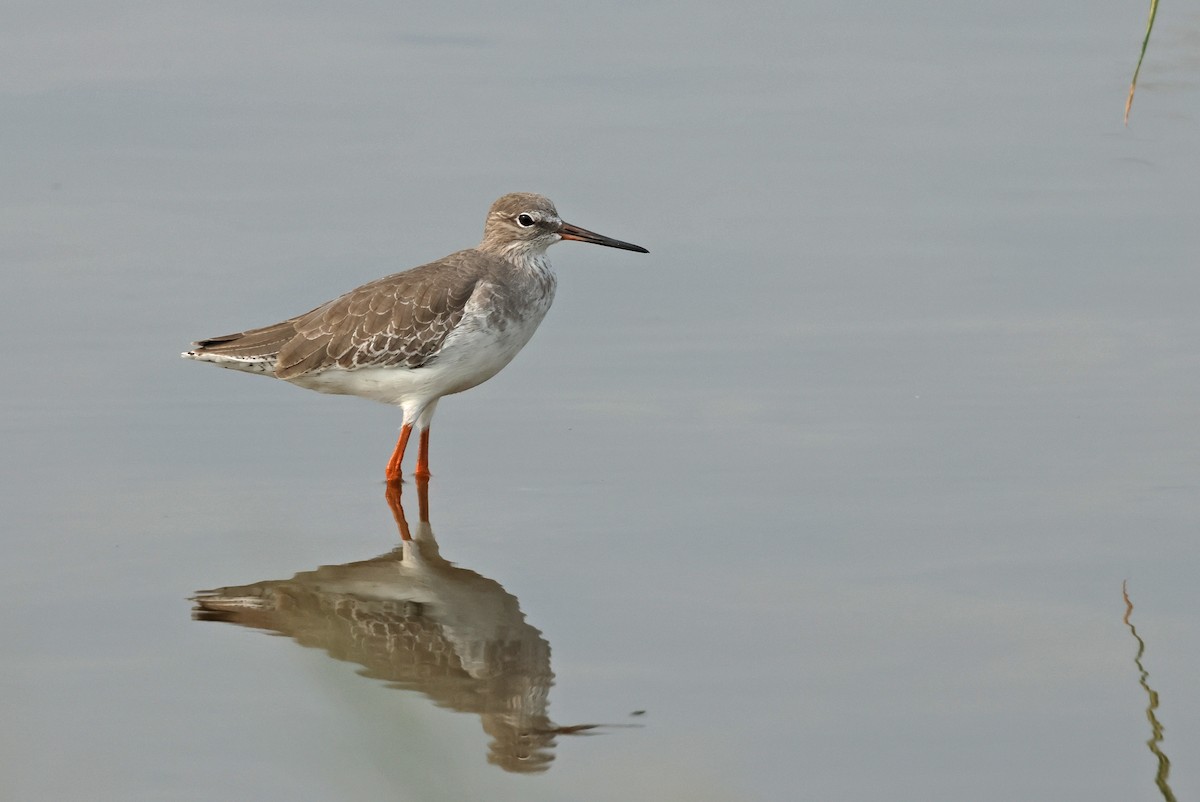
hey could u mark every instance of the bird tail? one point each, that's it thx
(254, 351)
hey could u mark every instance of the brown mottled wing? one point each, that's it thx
(261, 343)
(397, 320)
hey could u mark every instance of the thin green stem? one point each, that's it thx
(1138, 69)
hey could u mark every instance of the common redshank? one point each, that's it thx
(410, 338)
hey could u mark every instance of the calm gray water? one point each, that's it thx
(839, 485)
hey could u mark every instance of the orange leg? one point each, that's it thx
(393, 466)
(422, 470)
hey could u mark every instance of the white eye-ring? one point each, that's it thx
(524, 220)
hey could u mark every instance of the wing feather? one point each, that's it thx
(401, 319)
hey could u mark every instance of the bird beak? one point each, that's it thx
(569, 231)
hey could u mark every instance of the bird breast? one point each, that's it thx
(499, 319)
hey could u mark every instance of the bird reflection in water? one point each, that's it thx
(416, 621)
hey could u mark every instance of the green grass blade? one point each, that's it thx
(1145, 42)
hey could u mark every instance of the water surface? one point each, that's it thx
(839, 485)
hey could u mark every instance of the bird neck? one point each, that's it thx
(527, 259)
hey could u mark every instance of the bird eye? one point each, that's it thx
(524, 220)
